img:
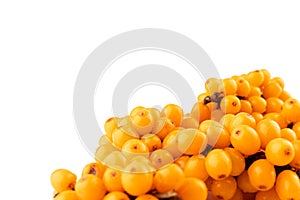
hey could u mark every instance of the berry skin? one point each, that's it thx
(142, 120)
(67, 195)
(274, 104)
(146, 197)
(121, 135)
(191, 141)
(230, 86)
(267, 130)
(189, 122)
(273, 89)
(163, 127)
(134, 147)
(152, 141)
(242, 118)
(192, 188)
(267, 195)
(160, 158)
(240, 137)
(296, 128)
(195, 167)
(288, 134)
(200, 112)
(246, 106)
(255, 78)
(116, 196)
(291, 110)
(262, 174)
(257, 116)
(90, 187)
(244, 183)
(288, 185)
(112, 180)
(296, 161)
(237, 159)
(62, 180)
(230, 104)
(258, 103)
(243, 87)
(254, 91)
(284, 95)
(280, 151)
(277, 117)
(96, 169)
(218, 164)
(168, 178)
(181, 161)
(224, 189)
(174, 113)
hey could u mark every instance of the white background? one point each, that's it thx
(43, 45)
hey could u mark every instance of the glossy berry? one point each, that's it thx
(267, 130)
(230, 104)
(174, 113)
(195, 167)
(224, 189)
(237, 159)
(63, 179)
(90, 187)
(288, 185)
(67, 195)
(191, 189)
(116, 195)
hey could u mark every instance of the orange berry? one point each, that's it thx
(246, 106)
(218, 164)
(258, 103)
(272, 89)
(224, 189)
(115, 195)
(288, 134)
(67, 195)
(195, 167)
(237, 159)
(112, 180)
(225, 121)
(267, 77)
(109, 126)
(255, 78)
(121, 135)
(257, 116)
(146, 197)
(229, 86)
(296, 161)
(296, 128)
(142, 120)
(274, 104)
(168, 178)
(238, 195)
(254, 91)
(213, 85)
(267, 130)
(191, 141)
(189, 122)
(96, 169)
(267, 195)
(192, 188)
(160, 158)
(218, 136)
(202, 96)
(170, 143)
(174, 113)
(291, 110)
(262, 174)
(242, 118)
(134, 147)
(152, 141)
(243, 87)
(163, 127)
(63, 179)
(288, 185)
(181, 161)
(200, 112)
(279, 81)
(280, 151)
(230, 104)
(281, 121)
(244, 183)
(240, 137)
(90, 187)
(284, 95)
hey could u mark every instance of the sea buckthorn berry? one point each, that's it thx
(115, 160)
(195, 167)
(259, 104)
(112, 180)
(200, 112)
(160, 158)
(224, 189)
(218, 164)
(267, 77)
(96, 169)
(288, 134)
(181, 161)
(281, 120)
(280, 151)
(296, 128)
(238, 195)
(255, 78)
(240, 139)
(243, 87)
(170, 143)
(237, 159)
(244, 183)
(63, 179)
(192, 188)
(288, 185)
(123, 134)
(90, 187)
(202, 96)
(115, 195)
(163, 127)
(142, 121)
(225, 121)
(267, 195)
(213, 85)
(272, 89)
(257, 116)
(284, 95)
(267, 130)
(230, 104)
(296, 161)
(246, 106)
(135, 180)
(207, 124)
(242, 118)
(229, 86)
(168, 178)
(109, 126)
(155, 114)
(67, 195)
(189, 122)
(174, 113)
(274, 104)
(191, 141)
(152, 141)
(146, 197)
(262, 174)
(254, 91)
(278, 80)
(134, 147)
(291, 110)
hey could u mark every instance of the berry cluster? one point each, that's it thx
(241, 140)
